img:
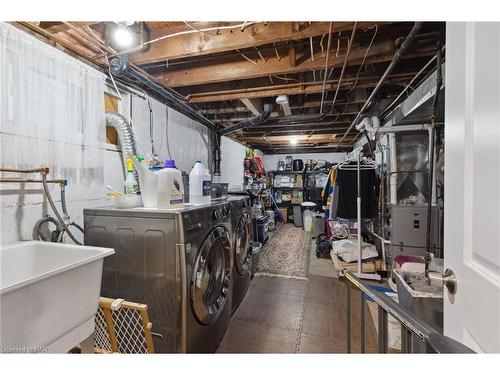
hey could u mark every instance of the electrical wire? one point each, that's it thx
(349, 45)
(326, 67)
(193, 30)
(166, 133)
(364, 59)
(113, 79)
(389, 107)
(197, 29)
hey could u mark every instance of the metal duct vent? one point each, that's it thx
(126, 136)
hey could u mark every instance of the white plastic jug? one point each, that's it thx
(148, 181)
(170, 186)
(200, 186)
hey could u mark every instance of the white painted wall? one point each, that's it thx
(21, 206)
(232, 156)
(187, 139)
(271, 161)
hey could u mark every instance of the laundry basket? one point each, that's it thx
(122, 327)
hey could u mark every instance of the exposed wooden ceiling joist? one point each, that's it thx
(293, 89)
(254, 105)
(201, 44)
(238, 68)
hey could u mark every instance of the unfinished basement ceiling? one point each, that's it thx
(228, 74)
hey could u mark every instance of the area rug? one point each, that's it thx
(286, 253)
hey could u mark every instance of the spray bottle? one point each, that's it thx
(130, 184)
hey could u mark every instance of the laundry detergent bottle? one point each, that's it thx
(170, 186)
(200, 185)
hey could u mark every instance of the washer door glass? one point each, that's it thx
(211, 276)
(242, 245)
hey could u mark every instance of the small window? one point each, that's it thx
(111, 105)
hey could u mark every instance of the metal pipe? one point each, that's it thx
(348, 335)
(397, 56)
(382, 330)
(362, 322)
(418, 327)
(120, 67)
(29, 180)
(56, 212)
(15, 170)
(257, 120)
(431, 159)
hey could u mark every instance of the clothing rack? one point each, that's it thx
(368, 165)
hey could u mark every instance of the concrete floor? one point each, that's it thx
(285, 315)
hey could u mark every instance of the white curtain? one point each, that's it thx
(51, 109)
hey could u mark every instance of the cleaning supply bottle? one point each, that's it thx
(131, 185)
(170, 186)
(200, 186)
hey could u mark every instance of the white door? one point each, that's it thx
(472, 184)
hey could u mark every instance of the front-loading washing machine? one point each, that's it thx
(242, 229)
(178, 262)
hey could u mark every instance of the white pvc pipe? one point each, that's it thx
(393, 179)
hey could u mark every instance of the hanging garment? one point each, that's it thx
(328, 192)
(347, 183)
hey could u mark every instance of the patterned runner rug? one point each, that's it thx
(285, 253)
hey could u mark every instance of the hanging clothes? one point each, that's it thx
(347, 183)
(328, 193)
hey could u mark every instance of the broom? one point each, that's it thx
(279, 216)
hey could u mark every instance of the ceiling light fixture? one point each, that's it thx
(293, 140)
(123, 36)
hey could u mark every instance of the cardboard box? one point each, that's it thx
(284, 213)
(298, 181)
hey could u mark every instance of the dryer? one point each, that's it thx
(242, 227)
(178, 262)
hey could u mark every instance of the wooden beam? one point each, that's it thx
(243, 109)
(57, 27)
(199, 44)
(238, 68)
(285, 90)
(292, 55)
(254, 105)
(301, 139)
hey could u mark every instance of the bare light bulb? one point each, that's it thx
(293, 140)
(123, 36)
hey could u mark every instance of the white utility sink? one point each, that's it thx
(49, 293)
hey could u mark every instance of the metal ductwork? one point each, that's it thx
(126, 134)
(257, 120)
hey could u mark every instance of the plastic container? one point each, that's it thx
(126, 201)
(200, 186)
(148, 179)
(307, 209)
(131, 185)
(271, 225)
(297, 216)
(170, 186)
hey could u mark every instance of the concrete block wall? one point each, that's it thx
(23, 205)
